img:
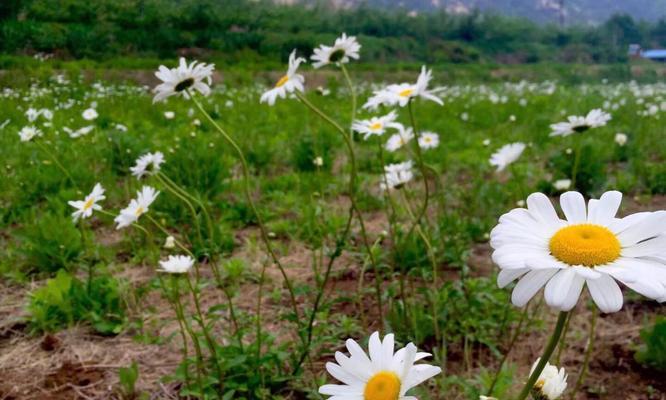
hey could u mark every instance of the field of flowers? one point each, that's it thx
(288, 240)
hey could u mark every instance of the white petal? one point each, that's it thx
(561, 288)
(605, 293)
(341, 390)
(507, 276)
(607, 207)
(645, 228)
(529, 285)
(573, 206)
(646, 248)
(542, 209)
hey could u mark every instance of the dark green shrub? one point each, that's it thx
(653, 351)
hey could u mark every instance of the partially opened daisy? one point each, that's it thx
(401, 94)
(288, 83)
(137, 207)
(507, 155)
(147, 164)
(428, 140)
(344, 49)
(375, 125)
(384, 375)
(186, 77)
(27, 133)
(399, 139)
(551, 382)
(591, 246)
(579, 124)
(85, 207)
(396, 175)
(176, 264)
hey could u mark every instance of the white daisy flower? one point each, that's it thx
(27, 133)
(621, 139)
(169, 114)
(288, 83)
(79, 132)
(85, 207)
(195, 76)
(147, 164)
(176, 264)
(345, 48)
(396, 175)
(551, 383)
(591, 246)
(137, 207)
(384, 375)
(507, 155)
(397, 140)
(318, 161)
(401, 94)
(428, 140)
(32, 114)
(89, 114)
(375, 125)
(170, 242)
(562, 184)
(578, 124)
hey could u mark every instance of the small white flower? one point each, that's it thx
(486, 142)
(428, 140)
(289, 83)
(170, 242)
(169, 114)
(180, 80)
(345, 48)
(375, 125)
(137, 207)
(85, 207)
(318, 161)
(520, 203)
(397, 140)
(46, 113)
(621, 139)
(121, 127)
(147, 164)
(32, 114)
(401, 94)
(79, 132)
(396, 175)
(89, 114)
(177, 264)
(464, 116)
(27, 133)
(578, 124)
(562, 184)
(507, 155)
(551, 382)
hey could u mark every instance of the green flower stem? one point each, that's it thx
(248, 195)
(139, 227)
(209, 340)
(258, 325)
(351, 89)
(588, 353)
(183, 333)
(576, 164)
(186, 201)
(56, 161)
(422, 168)
(547, 352)
(514, 339)
(84, 243)
(352, 197)
(166, 232)
(563, 340)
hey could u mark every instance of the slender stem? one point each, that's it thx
(563, 340)
(248, 195)
(187, 202)
(576, 164)
(547, 352)
(166, 232)
(84, 243)
(56, 161)
(514, 339)
(422, 168)
(588, 353)
(234, 319)
(258, 324)
(183, 333)
(351, 89)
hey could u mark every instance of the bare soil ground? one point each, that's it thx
(77, 364)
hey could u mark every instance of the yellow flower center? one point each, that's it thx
(406, 93)
(282, 81)
(382, 386)
(88, 204)
(139, 211)
(585, 244)
(376, 126)
(427, 139)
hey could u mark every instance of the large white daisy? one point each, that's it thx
(147, 164)
(384, 375)
(195, 76)
(288, 83)
(137, 207)
(591, 246)
(85, 207)
(401, 94)
(396, 175)
(176, 264)
(507, 155)
(375, 125)
(345, 48)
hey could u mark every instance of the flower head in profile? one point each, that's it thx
(591, 246)
(399, 139)
(396, 175)
(383, 375)
(289, 83)
(401, 94)
(176, 264)
(578, 124)
(507, 155)
(137, 207)
(344, 49)
(551, 383)
(79, 132)
(85, 207)
(147, 164)
(375, 125)
(428, 140)
(621, 139)
(183, 80)
(27, 133)
(89, 114)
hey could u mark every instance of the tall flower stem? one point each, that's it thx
(514, 339)
(547, 352)
(563, 340)
(351, 89)
(248, 196)
(56, 161)
(576, 163)
(84, 242)
(422, 167)
(352, 197)
(187, 202)
(588, 353)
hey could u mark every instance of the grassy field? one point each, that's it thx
(84, 312)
